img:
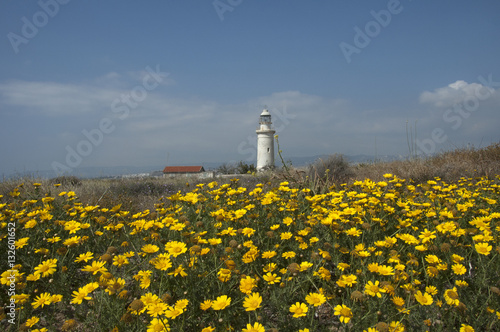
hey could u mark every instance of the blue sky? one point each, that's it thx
(140, 83)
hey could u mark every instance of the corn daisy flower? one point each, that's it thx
(298, 309)
(466, 328)
(42, 300)
(315, 299)
(483, 248)
(344, 312)
(252, 302)
(97, 266)
(84, 257)
(47, 267)
(221, 302)
(373, 289)
(157, 325)
(257, 327)
(205, 305)
(175, 248)
(272, 278)
(32, 321)
(247, 284)
(423, 299)
(451, 296)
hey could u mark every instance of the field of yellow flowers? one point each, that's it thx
(371, 256)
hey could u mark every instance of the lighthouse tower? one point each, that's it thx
(265, 142)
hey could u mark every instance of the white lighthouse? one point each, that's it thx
(265, 142)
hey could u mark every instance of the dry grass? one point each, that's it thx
(138, 194)
(134, 194)
(449, 166)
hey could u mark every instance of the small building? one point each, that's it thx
(195, 171)
(265, 142)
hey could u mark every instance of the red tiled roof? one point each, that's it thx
(183, 169)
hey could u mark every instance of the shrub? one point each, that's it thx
(66, 180)
(335, 169)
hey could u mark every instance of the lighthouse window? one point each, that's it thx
(267, 150)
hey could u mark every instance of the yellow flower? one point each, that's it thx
(80, 295)
(156, 325)
(21, 242)
(181, 304)
(373, 289)
(208, 329)
(305, 265)
(347, 280)
(423, 299)
(30, 224)
(353, 231)
(205, 305)
(268, 254)
(178, 271)
(250, 256)
(150, 248)
(46, 268)
(483, 248)
(247, 231)
(224, 275)
(175, 248)
(97, 266)
(396, 327)
(451, 296)
(427, 236)
(115, 285)
(323, 273)
(385, 270)
(247, 284)
(72, 241)
(315, 299)
(466, 328)
(270, 267)
(84, 257)
(54, 239)
(221, 302)
(271, 278)
(92, 286)
(161, 262)
(42, 300)
(32, 321)
(298, 309)
(174, 312)
(458, 269)
(398, 301)
(432, 259)
(252, 302)
(257, 327)
(344, 312)
(120, 260)
(431, 290)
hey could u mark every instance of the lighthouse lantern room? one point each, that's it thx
(265, 142)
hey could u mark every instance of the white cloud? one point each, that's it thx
(54, 99)
(454, 93)
(62, 99)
